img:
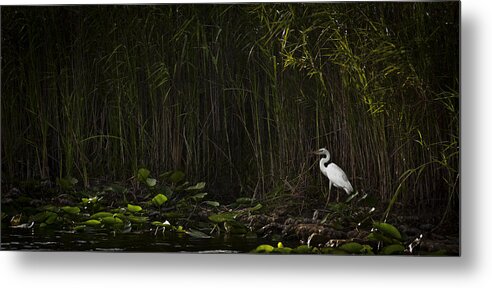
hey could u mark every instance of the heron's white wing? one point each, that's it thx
(338, 177)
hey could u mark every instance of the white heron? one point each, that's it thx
(335, 174)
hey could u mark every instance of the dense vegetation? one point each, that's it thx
(236, 96)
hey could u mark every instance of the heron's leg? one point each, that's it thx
(329, 194)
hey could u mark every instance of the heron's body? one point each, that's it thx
(335, 174)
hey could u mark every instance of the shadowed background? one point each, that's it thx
(237, 95)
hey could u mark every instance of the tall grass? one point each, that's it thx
(237, 95)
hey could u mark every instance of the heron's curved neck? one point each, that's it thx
(325, 160)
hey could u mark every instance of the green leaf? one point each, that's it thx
(234, 227)
(150, 182)
(198, 196)
(378, 236)
(198, 186)
(92, 222)
(303, 249)
(159, 199)
(222, 217)
(257, 207)
(352, 247)
(161, 224)
(265, 248)
(142, 174)
(197, 234)
(90, 200)
(180, 229)
(42, 216)
(177, 176)
(100, 215)
(366, 249)
(71, 210)
(138, 219)
(282, 250)
(212, 203)
(79, 227)
(134, 208)
(393, 249)
(111, 220)
(51, 219)
(388, 229)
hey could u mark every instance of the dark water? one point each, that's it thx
(57, 240)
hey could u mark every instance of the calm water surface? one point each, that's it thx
(57, 240)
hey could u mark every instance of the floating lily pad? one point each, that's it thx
(198, 186)
(161, 224)
(198, 196)
(92, 222)
(142, 174)
(134, 208)
(111, 220)
(352, 247)
(222, 217)
(302, 249)
(151, 182)
(256, 207)
(282, 250)
(138, 219)
(51, 219)
(265, 248)
(159, 199)
(71, 210)
(100, 215)
(212, 203)
(387, 229)
(177, 176)
(393, 249)
(234, 227)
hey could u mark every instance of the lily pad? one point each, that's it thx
(51, 219)
(393, 249)
(161, 224)
(234, 227)
(222, 217)
(265, 248)
(150, 182)
(159, 199)
(198, 196)
(352, 247)
(100, 215)
(134, 208)
(143, 174)
(255, 208)
(282, 250)
(302, 249)
(198, 186)
(111, 220)
(92, 222)
(212, 203)
(71, 210)
(388, 229)
(138, 219)
(177, 176)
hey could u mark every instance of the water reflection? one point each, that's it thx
(58, 240)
